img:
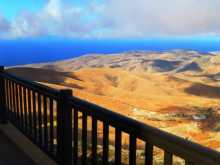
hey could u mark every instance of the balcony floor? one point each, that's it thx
(10, 154)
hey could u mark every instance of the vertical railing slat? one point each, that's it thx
(25, 110)
(75, 137)
(2, 96)
(65, 112)
(16, 105)
(40, 119)
(105, 143)
(45, 123)
(118, 139)
(168, 158)
(148, 154)
(51, 127)
(84, 138)
(29, 113)
(11, 100)
(7, 97)
(132, 150)
(21, 107)
(59, 131)
(13, 103)
(34, 116)
(94, 141)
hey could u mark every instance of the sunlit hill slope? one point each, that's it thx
(177, 91)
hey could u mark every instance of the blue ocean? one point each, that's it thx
(26, 51)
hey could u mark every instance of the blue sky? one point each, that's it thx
(9, 9)
(109, 18)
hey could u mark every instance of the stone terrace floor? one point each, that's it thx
(10, 154)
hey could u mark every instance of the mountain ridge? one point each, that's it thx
(144, 61)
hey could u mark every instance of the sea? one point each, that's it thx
(38, 50)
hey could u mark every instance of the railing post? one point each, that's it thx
(64, 124)
(2, 97)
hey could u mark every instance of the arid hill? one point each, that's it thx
(177, 91)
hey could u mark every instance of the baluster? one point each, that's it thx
(40, 119)
(21, 107)
(65, 112)
(118, 146)
(168, 158)
(34, 116)
(75, 137)
(25, 110)
(6, 94)
(2, 96)
(18, 106)
(29, 113)
(59, 130)
(84, 138)
(45, 123)
(94, 141)
(13, 103)
(105, 143)
(148, 154)
(132, 150)
(51, 127)
(8, 99)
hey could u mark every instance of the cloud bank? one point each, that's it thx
(170, 17)
(117, 19)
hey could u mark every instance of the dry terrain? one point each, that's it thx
(177, 91)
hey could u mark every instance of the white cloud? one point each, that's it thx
(53, 9)
(55, 18)
(163, 17)
(28, 24)
(119, 18)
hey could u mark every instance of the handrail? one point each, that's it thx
(167, 141)
(30, 106)
(32, 85)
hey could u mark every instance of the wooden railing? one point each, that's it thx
(68, 129)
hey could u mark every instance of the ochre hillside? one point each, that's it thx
(177, 91)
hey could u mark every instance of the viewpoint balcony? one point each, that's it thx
(72, 131)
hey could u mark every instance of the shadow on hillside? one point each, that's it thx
(45, 75)
(212, 123)
(204, 91)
